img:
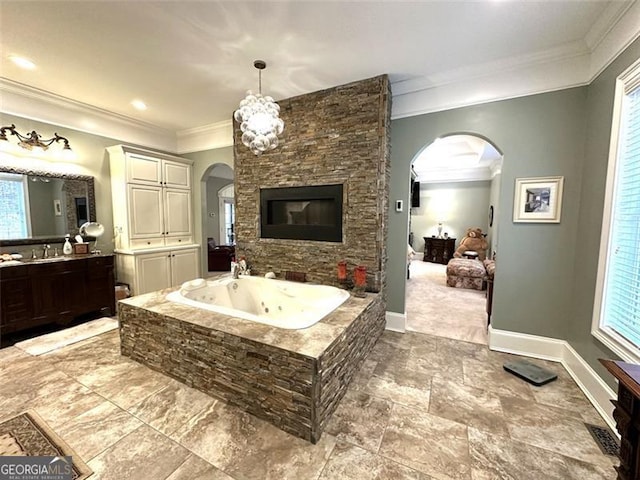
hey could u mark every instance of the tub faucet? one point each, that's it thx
(235, 270)
(45, 252)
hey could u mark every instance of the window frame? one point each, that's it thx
(615, 342)
(13, 177)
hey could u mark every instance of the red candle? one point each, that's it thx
(360, 276)
(342, 270)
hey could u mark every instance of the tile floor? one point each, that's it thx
(422, 407)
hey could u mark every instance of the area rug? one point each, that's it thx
(53, 341)
(28, 435)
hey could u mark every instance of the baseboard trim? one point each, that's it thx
(546, 348)
(396, 322)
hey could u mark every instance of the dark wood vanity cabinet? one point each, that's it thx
(55, 292)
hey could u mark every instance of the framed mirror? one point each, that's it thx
(39, 206)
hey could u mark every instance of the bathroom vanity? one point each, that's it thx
(54, 290)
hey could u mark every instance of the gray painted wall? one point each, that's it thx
(594, 171)
(494, 200)
(203, 163)
(463, 205)
(540, 135)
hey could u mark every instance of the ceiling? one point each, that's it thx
(191, 62)
(457, 158)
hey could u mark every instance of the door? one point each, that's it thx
(153, 272)
(177, 212)
(143, 170)
(176, 175)
(184, 266)
(145, 207)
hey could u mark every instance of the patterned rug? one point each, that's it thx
(28, 435)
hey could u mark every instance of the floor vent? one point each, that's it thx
(607, 442)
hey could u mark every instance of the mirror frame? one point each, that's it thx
(91, 194)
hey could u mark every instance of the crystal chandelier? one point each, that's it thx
(259, 119)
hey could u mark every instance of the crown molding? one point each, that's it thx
(572, 65)
(440, 175)
(208, 137)
(29, 102)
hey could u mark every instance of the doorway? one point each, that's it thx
(218, 228)
(455, 186)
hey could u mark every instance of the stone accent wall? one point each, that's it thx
(339, 135)
(342, 360)
(294, 392)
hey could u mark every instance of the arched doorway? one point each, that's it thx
(455, 186)
(218, 214)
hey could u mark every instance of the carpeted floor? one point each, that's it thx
(436, 309)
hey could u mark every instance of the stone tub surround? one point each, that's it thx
(336, 136)
(292, 378)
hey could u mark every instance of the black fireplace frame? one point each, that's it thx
(302, 232)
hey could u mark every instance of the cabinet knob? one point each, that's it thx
(179, 240)
(148, 243)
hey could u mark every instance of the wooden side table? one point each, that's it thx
(627, 416)
(438, 250)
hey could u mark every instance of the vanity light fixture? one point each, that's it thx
(34, 142)
(259, 118)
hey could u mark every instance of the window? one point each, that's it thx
(14, 211)
(617, 305)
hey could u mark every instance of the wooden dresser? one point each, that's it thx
(438, 250)
(627, 416)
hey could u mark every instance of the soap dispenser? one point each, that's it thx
(67, 249)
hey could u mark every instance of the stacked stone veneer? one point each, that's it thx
(339, 135)
(294, 392)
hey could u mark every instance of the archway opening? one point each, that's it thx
(218, 222)
(455, 186)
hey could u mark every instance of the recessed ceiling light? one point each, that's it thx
(22, 62)
(139, 105)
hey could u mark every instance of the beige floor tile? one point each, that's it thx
(10, 354)
(246, 447)
(194, 468)
(493, 378)
(402, 386)
(467, 405)
(430, 444)
(551, 428)
(143, 454)
(125, 384)
(496, 457)
(362, 377)
(348, 462)
(444, 363)
(360, 419)
(171, 407)
(97, 429)
(69, 402)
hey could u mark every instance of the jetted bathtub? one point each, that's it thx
(278, 303)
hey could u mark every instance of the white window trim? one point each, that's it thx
(612, 340)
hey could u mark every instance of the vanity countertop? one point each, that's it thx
(60, 258)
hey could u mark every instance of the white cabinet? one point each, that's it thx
(149, 272)
(152, 199)
(152, 218)
(152, 170)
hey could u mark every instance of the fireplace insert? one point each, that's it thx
(302, 213)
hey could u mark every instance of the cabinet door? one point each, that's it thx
(153, 272)
(145, 211)
(177, 213)
(184, 266)
(175, 174)
(143, 170)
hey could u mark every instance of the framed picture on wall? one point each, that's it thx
(538, 200)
